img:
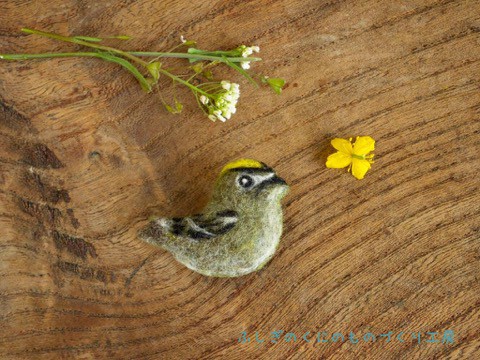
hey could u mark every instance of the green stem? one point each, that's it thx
(105, 56)
(191, 56)
(94, 54)
(186, 83)
(136, 53)
(240, 70)
(133, 55)
(85, 43)
(46, 55)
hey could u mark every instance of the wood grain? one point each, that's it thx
(86, 157)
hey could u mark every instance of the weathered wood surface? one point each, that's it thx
(86, 157)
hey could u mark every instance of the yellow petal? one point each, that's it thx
(342, 145)
(360, 168)
(363, 145)
(338, 160)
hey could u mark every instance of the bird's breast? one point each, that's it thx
(260, 245)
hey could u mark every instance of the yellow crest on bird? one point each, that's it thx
(242, 163)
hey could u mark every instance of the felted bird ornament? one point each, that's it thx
(238, 231)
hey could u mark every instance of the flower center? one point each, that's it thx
(361, 157)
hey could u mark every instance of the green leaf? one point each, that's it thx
(192, 50)
(195, 51)
(208, 74)
(27, 30)
(275, 83)
(218, 53)
(121, 37)
(228, 53)
(141, 79)
(154, 69)
(178, 106)
(87, 38)
(96, 39)
(198, 68)
(190, 43)
(177, 110)
(240, 70)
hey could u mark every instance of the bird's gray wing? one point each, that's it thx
(200, 227)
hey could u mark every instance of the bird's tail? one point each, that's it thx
(154, 232)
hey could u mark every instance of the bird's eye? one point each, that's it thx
(245, 181)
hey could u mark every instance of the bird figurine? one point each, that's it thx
(239, 229)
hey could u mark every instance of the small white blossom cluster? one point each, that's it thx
(246, 52)
(224, 104)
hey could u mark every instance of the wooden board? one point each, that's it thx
(86, 157)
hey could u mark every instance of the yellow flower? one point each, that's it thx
(354, 156)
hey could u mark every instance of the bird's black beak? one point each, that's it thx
(273, 181)
(277, 180)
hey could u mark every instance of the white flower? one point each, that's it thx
(218, 114)
(226, 84)
(249, 50)
(246, 52)
(227, 115)
(224, 103)
(245, 65)
(182, 39)
(204, 100)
